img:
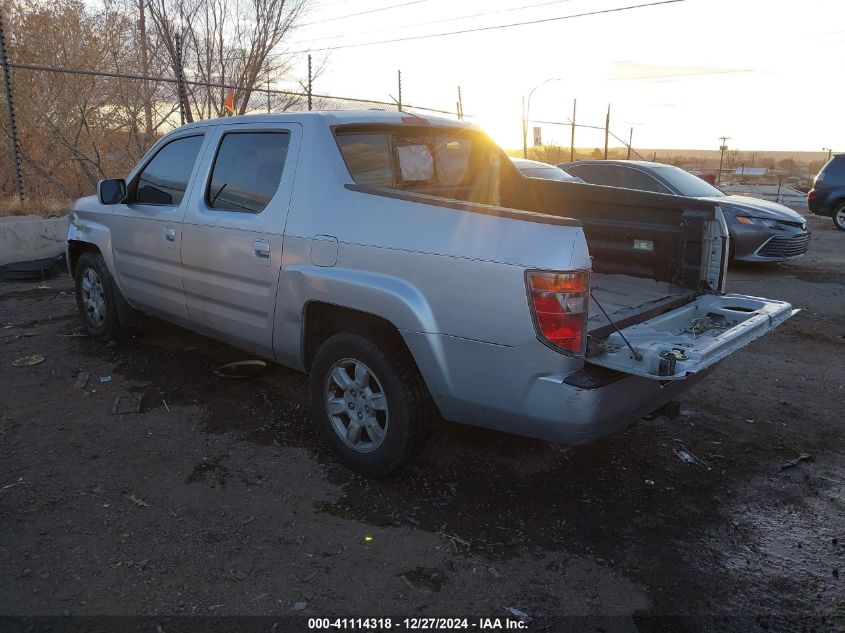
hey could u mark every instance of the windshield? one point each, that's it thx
(685, 183)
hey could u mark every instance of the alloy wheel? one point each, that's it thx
(357, 405)
(93, 297)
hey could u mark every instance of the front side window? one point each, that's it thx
(165, 178)
(247, 171)
(439, 162)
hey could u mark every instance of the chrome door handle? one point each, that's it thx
(261, 249)
(169, 235)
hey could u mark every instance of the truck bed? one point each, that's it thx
(624, 296)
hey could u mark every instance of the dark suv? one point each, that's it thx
(827, 197)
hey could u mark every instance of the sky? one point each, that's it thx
(766, 73)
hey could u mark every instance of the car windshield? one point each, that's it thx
(687, 184)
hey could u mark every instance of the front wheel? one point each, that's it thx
(839, 216)
(369, 402)
(95, 297)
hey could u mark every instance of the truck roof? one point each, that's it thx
(334, 117)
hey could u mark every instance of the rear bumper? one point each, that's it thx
(571, 415)
(522, 390)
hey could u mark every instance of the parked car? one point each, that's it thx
(761, 231)
(827, 197)
(536, 169)
(414, 273)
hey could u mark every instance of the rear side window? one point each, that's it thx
(436, 162)
(165, 178)
(247, 170)
(369, 158)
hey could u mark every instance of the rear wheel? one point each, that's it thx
(839, 216)
(95, 297)
(368, 402)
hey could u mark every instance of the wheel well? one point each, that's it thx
(75, 250)
(322, 320)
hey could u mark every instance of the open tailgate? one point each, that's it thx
(691, 338)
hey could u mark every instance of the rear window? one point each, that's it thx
(438, 162)
(835, 168)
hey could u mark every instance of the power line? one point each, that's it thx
(210, 84)
(491, 28)
(352, 15)
(441, 20)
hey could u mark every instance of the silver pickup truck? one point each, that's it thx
(415, 274)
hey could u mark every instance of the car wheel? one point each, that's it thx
(839, 216)
(95, 297)
(369, 402)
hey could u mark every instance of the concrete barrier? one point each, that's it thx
(25, 238)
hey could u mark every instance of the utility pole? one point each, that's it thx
(268, 88)
(722, 148)
(606, 130)
(13, 128)
(460, 105)
(179, 79)
(572, 133)
(829, 152)
(524, 131)
(310, 80)
(145, 70)
(399, 75)
(630, 140)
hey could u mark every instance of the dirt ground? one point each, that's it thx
(218, 499)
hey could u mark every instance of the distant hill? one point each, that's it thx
(803, 157)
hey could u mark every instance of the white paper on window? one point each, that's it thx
(416, 162)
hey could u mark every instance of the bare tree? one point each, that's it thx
(225, 42)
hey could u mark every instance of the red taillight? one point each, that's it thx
(811, 195)
(559, 303)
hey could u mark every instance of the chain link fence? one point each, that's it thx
(76, 126)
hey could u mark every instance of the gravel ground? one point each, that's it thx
(217, 498)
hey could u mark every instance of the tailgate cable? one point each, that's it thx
(637, 356)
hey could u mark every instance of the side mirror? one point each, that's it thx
(111, 191)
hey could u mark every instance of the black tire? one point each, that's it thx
(106, 327)
(406, 398)
(839, 216)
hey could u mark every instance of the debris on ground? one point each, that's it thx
(299, 606)
(127, 404)
(308, 578)
(105, 378)
(792, 463)
(688, 457)
(138, 501)
(520, 615)
(242, 369)
(425, 578)
(19, 482)
(28, 361)
(81, 380)
(8, 338)
(164, 402)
